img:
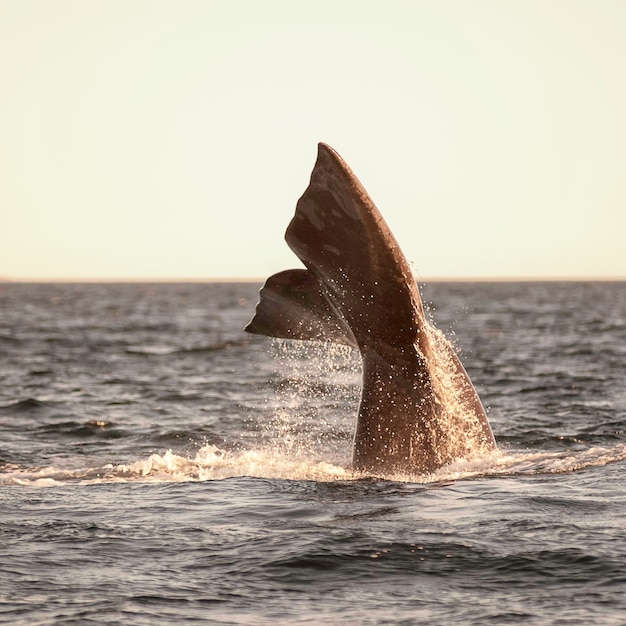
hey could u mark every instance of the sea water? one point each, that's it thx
(159, 466)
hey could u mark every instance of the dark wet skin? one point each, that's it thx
(419, 410)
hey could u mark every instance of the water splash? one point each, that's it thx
(209, 463)
(460, 414)
(317, 389)
(212, 463)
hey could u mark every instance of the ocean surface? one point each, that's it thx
(160, 466)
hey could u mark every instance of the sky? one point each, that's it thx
(154, 139)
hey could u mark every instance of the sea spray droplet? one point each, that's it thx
(315, 380)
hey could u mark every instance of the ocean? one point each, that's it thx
(160, 466)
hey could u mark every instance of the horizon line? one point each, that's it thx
(251, 279)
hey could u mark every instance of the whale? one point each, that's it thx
(419, 410)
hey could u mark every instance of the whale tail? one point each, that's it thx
(292, 305)
(418, 408)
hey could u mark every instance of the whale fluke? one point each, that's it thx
(418, 410)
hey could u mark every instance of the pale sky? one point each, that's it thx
(172, 138)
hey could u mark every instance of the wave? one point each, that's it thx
(167, 349)
(213, 463)
(27, 406)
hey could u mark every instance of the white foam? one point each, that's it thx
(212, 463)
(209, 463)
